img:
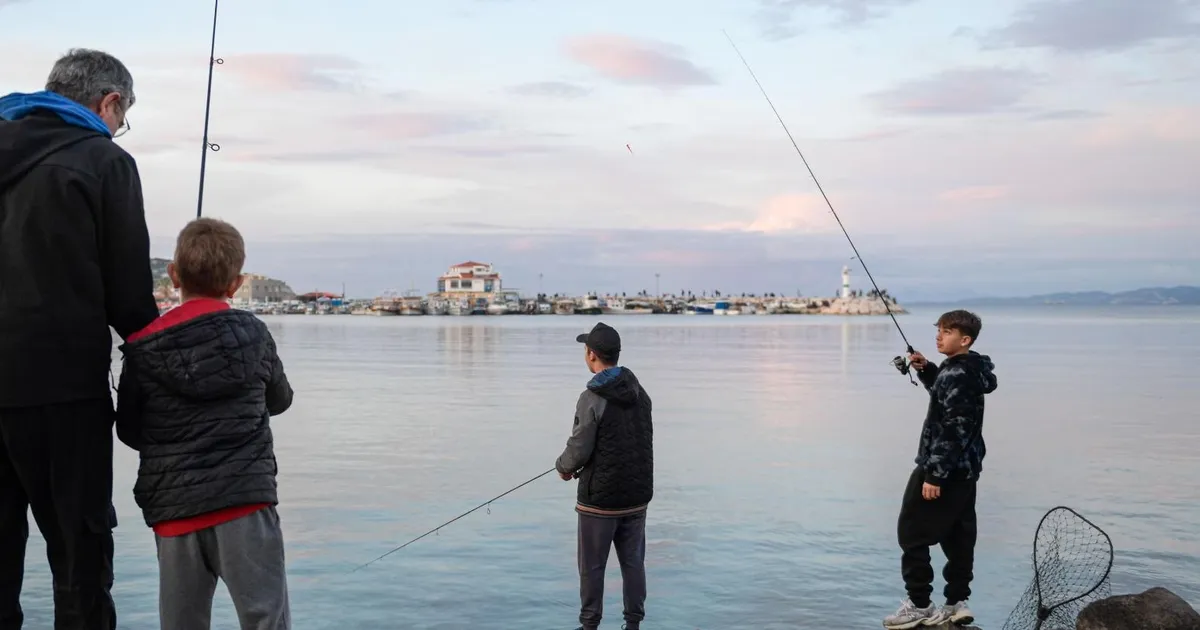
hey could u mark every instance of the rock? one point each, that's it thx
(1155, 609)
(949, 626)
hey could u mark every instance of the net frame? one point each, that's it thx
(1035, 610)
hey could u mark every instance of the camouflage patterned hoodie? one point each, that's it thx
(952, 445)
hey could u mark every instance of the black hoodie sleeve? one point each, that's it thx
(929, 375)
(279, 390)
(125, 248)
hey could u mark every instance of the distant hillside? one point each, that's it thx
(159, 267)
(1153, 296)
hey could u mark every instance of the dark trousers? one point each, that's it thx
(597, 536)
(949, 521)
(57, 461)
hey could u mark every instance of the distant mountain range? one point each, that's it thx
(1151, 296)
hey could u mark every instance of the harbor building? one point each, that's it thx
(470, 279)
(259, 289)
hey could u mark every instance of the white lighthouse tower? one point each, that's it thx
(845, 282)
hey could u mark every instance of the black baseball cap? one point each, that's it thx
(603, 340)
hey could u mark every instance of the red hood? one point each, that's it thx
(189, 310)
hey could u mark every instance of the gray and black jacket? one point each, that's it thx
(952, 445)
(611, 448)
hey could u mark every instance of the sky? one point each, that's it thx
(1007, 147)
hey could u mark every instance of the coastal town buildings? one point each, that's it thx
(261, 289)
(470, 279)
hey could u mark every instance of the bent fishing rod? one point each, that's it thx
(435, 530)
(899, 362)
(213, 60)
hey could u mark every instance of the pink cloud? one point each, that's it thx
(788, 212)
(627, 60)
(974, 193)
(282, 72)
(524, 244)
(956, 92)
(1170, 124)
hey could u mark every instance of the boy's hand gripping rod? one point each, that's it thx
(899, 362)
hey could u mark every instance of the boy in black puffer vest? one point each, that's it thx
(197, 391)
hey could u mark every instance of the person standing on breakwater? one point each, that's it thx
(197, 392)
(611, 452)
(939, 501)
(74, 260)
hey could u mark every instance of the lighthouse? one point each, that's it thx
(845, 282)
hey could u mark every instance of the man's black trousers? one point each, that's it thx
(949, 521)
(56, 460)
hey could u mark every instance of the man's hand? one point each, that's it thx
(566, 476)
(918, 361)
(930, 492)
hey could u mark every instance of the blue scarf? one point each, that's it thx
(16, 106)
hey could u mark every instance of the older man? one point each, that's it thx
(74, 260)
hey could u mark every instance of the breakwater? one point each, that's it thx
(510, 304)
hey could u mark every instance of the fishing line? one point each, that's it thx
(898, 361)
(213, 60)
(486, 504)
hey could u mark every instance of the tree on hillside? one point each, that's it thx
(162, 287)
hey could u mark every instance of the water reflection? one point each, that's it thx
(782, 444)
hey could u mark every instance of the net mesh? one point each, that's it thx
(1072, 559)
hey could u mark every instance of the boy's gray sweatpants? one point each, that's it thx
(246, 553)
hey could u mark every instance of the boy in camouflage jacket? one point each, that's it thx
(939, 502)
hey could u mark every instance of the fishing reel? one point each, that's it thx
(903, 366)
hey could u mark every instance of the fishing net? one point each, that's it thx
(1072, 559)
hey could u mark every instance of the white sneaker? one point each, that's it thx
(909, 616)
(958, 614)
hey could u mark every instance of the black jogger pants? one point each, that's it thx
(949, 521)
(57, 461)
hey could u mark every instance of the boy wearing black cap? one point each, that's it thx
(611, 452)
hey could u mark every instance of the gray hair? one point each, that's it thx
(86, 76)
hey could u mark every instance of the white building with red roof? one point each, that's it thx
(470, 279)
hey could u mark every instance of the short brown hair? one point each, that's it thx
(209, 255)
(965, 322)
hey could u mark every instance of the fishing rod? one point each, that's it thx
(213, 60)
(435, 530)
(899, 362)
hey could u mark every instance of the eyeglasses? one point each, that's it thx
(123, 129)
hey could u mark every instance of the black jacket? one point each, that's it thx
(74, 259)
(195, 400)
(952, 444)
(611, 447)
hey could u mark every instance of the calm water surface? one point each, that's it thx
(782, 447)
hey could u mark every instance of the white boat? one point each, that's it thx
(436, 306)
(592, 305)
